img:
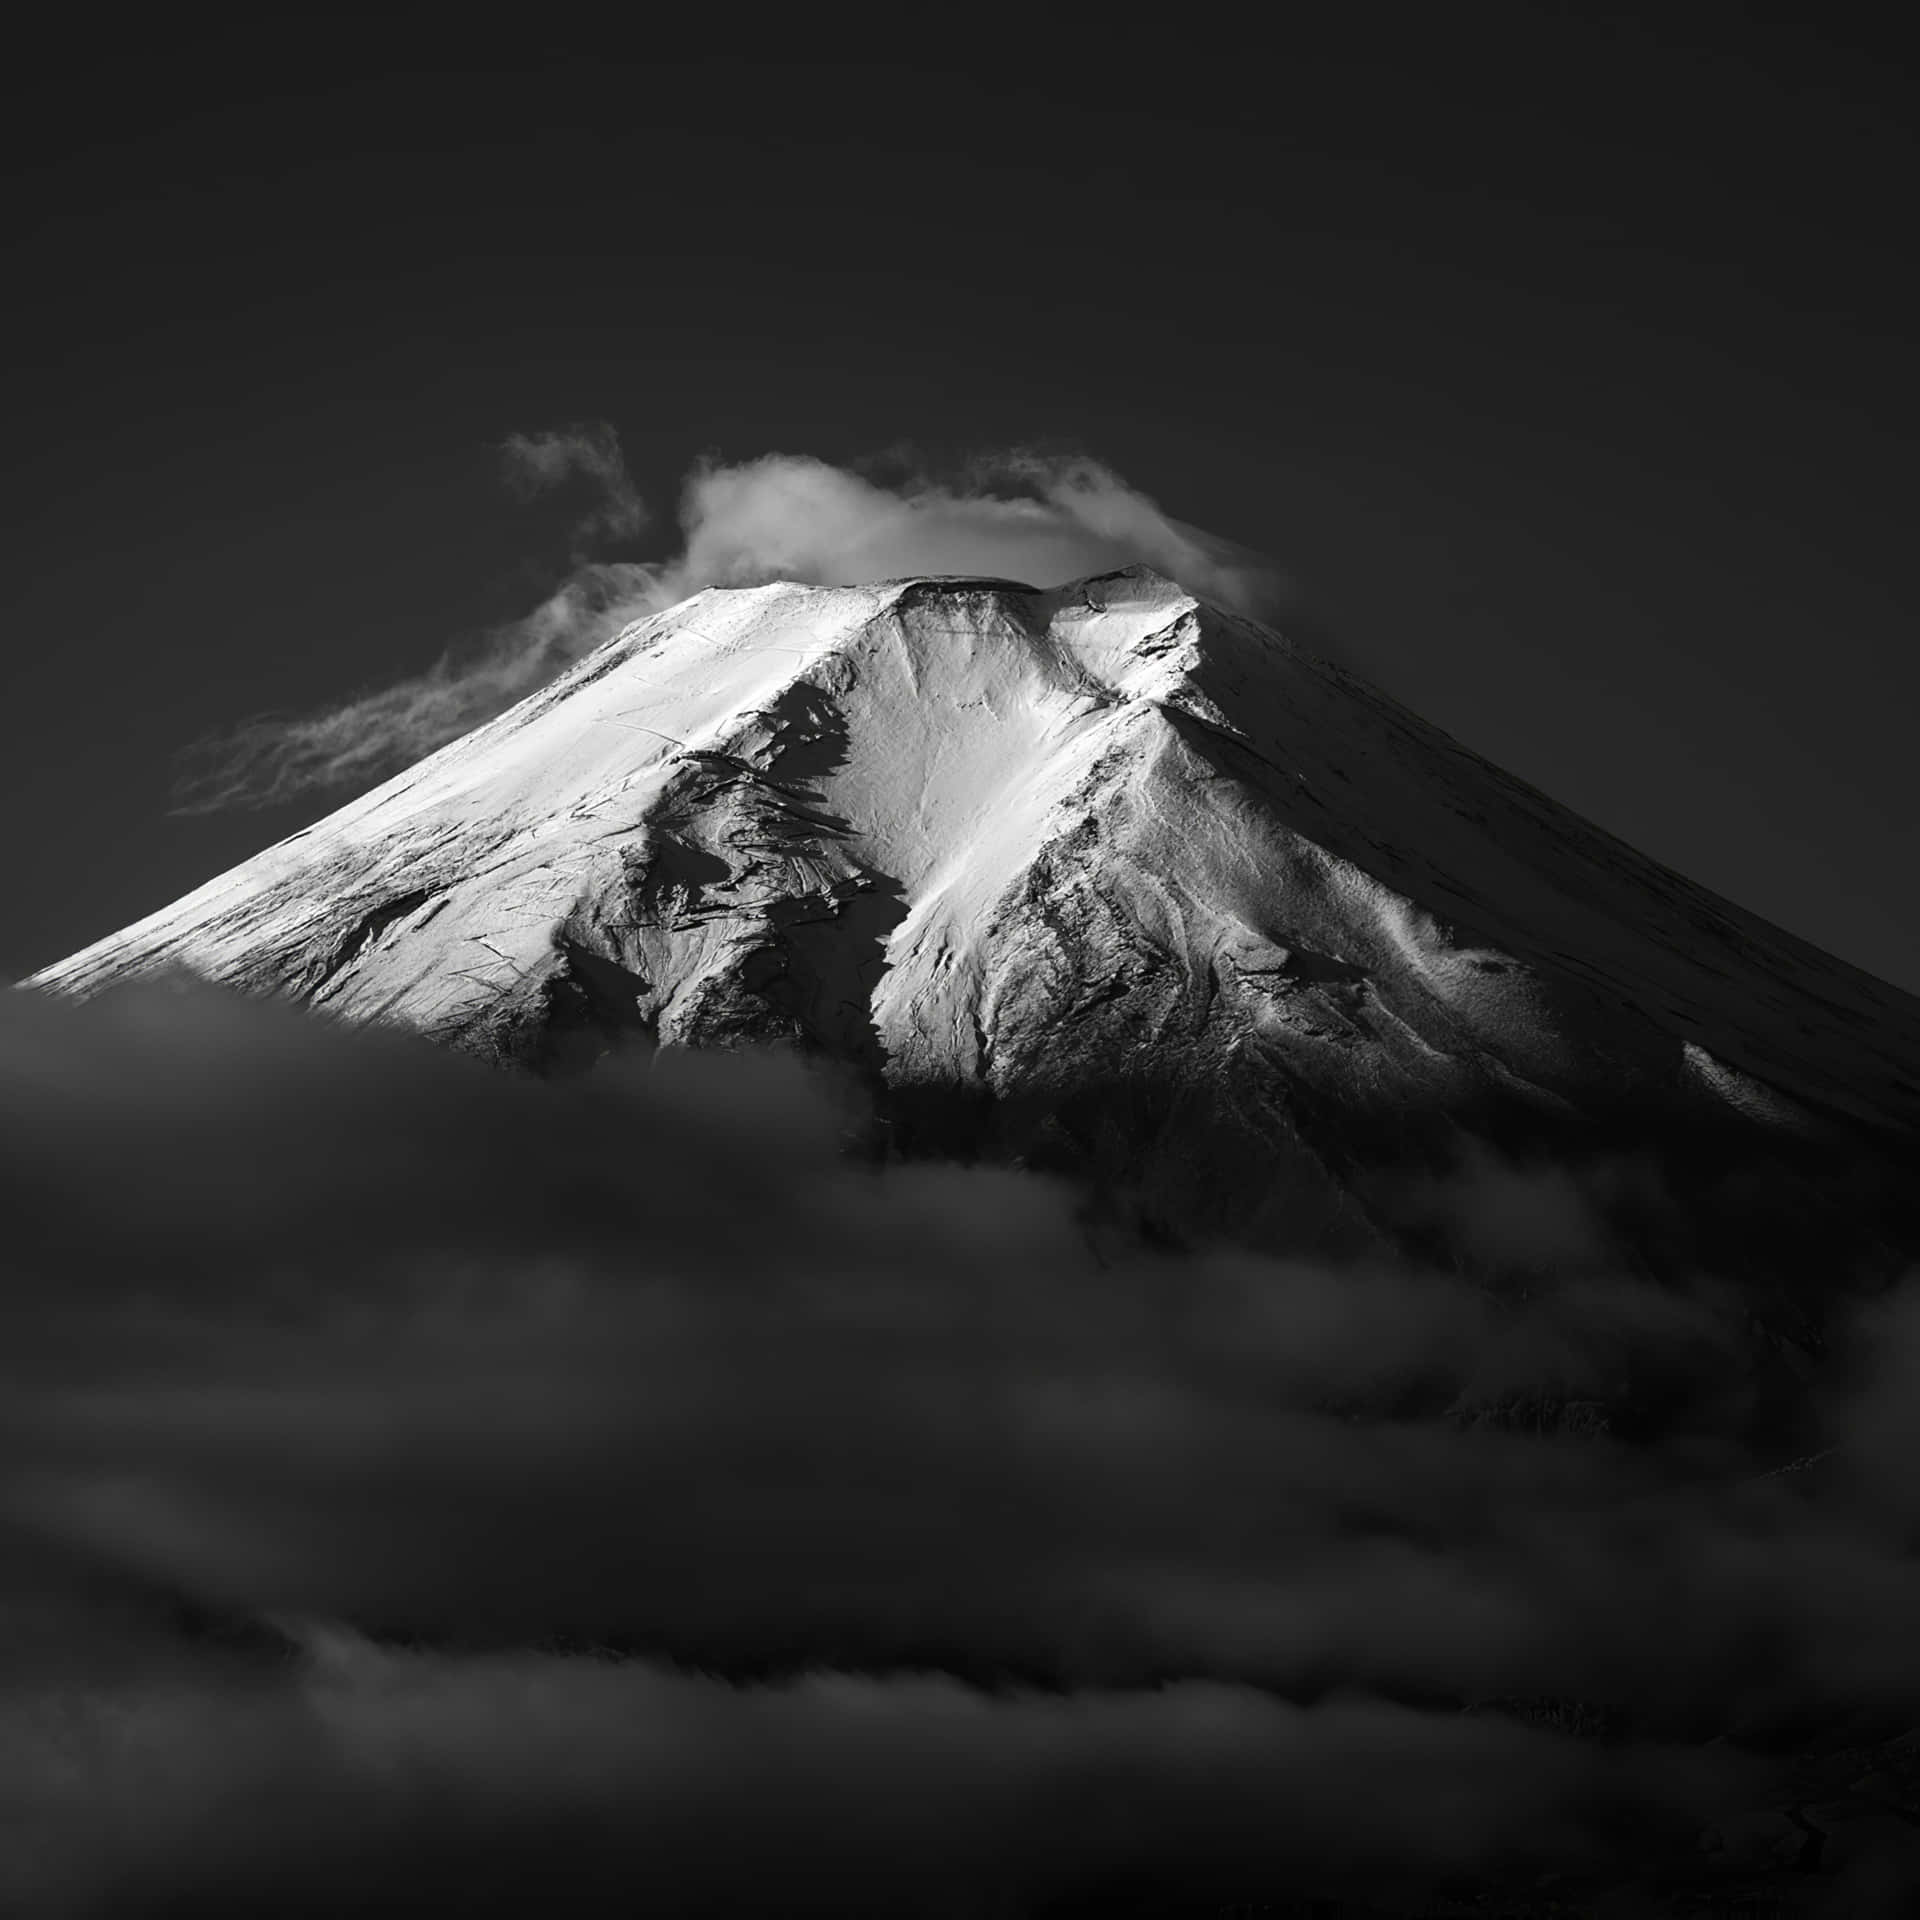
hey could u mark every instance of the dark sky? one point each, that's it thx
(1565, 363)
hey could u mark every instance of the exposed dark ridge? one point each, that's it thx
(934, 582)
(591, 1005)
(361, 935)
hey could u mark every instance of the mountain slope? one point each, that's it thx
(1215, 914)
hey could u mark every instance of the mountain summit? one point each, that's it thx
(1100, 875)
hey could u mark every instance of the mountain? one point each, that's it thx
(1103, 877)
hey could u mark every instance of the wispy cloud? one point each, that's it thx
(1040, 519)
(1020, 516)
(536, 463)
(360, 741)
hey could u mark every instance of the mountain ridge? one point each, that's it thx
(1104, 854)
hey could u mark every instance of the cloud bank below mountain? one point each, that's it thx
(946, 1549)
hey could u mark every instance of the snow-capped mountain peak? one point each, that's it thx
(1018, 847)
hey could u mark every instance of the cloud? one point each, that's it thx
(331, 1329)
(1017, 516)
(271, 760)
(535, 463)
(1022, 516)
(373, 1781)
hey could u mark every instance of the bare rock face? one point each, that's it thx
(1100, 876)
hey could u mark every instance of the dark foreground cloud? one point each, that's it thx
(1015, 515)
(950, 1552)
(370, 1781)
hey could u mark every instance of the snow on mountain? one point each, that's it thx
(1215, 911)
